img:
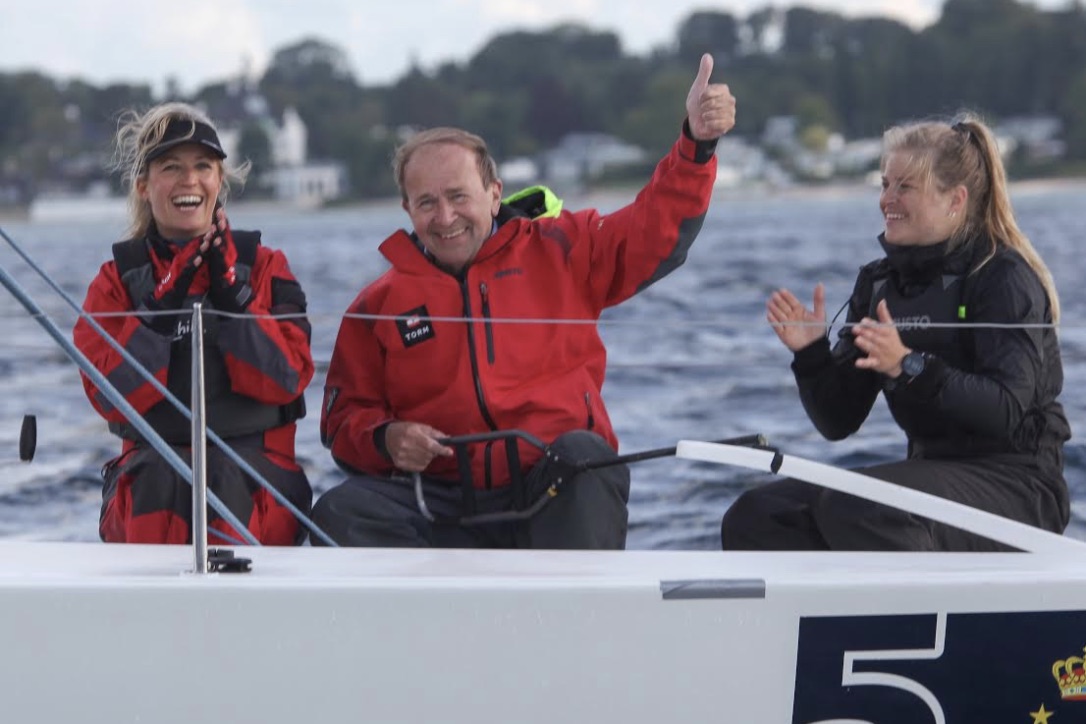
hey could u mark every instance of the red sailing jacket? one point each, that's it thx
(491, 373)
(267, 360)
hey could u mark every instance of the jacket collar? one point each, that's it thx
(917, 263)
(404, 250)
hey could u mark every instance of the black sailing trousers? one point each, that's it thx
(795, 515)
(589, 511)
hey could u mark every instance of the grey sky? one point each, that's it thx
(200, 41)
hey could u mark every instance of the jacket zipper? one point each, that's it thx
(588, 406)
(479, 396)
(487, 325)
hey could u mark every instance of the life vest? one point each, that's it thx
(227, 413)
(941, 303)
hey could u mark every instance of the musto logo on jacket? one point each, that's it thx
(415, 326)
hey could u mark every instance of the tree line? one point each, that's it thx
(523, 91)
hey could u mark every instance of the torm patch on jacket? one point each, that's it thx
(415, 326)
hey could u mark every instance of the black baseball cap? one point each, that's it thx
(184, 130)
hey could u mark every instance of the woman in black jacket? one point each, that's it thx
(955, 325)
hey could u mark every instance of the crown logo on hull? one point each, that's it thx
(1070, 676)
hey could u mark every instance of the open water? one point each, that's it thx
(690, 358)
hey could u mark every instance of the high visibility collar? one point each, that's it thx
(536, 201)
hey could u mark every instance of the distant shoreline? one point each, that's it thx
(610, 196)
(1049, 184)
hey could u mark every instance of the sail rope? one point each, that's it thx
(655, 322)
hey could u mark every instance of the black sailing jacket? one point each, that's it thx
(986, 391)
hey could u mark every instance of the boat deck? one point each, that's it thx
(96, 632)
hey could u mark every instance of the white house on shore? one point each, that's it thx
(293, 178)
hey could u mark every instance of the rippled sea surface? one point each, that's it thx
(690, 358)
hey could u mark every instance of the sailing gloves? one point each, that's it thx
(170, 293)
(228, 292)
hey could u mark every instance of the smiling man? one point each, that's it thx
(433, 349)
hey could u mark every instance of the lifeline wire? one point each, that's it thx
(303, 519)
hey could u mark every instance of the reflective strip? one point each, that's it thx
(713, 588)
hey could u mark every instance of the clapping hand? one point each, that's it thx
(710, 107)
(228, 293)
(796, 325)
(881, 341)
(170, 293)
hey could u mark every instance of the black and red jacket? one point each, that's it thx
(257, 367)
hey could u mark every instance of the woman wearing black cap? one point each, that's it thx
(180, 250)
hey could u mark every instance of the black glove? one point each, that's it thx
(171, 292)
(227, 292)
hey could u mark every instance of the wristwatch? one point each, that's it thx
(912, 365)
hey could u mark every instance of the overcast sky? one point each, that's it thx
(201, 41)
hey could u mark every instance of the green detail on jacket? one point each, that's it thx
(536, 201)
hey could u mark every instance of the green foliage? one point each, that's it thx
(500, 119)
(513, 59)
(814, 137)
(254, 145)
(814, 110)
(368, 156)
(811, 33)
(523, 91)
(708, 32)
(422, 101)
(654, 124)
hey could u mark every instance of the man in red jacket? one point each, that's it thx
(430, 350)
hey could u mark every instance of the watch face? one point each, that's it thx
(912, 364)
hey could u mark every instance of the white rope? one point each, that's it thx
(718, 321)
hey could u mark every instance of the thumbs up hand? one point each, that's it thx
(710, 107)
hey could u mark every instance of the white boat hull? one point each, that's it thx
(124, 633)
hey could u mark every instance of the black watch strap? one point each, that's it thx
(912, 365)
